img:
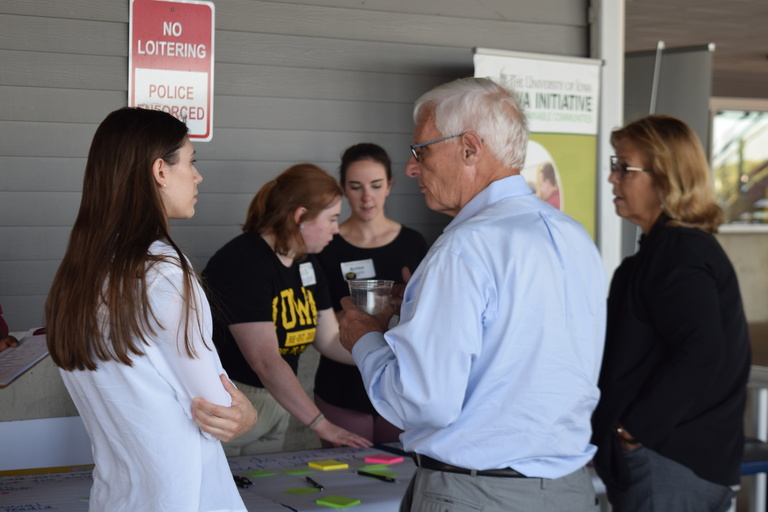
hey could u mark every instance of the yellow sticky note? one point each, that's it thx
(327, 465)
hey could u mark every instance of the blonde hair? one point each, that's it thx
(679, 169)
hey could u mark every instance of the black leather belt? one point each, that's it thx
(425, 462)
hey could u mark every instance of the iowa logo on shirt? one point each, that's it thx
(297, 315)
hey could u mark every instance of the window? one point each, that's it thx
(740, 164)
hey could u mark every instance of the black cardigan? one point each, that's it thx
(677, 357)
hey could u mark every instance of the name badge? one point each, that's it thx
(307, 272)
(360, 269)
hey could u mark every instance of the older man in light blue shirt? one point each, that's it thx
(492, 370)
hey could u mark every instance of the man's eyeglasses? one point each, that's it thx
(623, 169)
(417, 154)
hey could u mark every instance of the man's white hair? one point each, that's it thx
(483, 106)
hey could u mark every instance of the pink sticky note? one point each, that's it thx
(383, 459)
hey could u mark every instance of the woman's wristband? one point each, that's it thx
(624, 436)
(315, 421)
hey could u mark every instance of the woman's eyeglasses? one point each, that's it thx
(623, 169)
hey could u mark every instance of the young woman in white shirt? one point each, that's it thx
(130, 328)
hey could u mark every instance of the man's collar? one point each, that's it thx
(510, 186)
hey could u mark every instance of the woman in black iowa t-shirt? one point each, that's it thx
(270, 302)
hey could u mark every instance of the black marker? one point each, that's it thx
(242, 481)
(374, 475)
(314, 484)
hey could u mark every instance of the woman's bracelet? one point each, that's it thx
(315, 421)
(624, 437)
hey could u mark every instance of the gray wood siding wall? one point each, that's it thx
(294, 81)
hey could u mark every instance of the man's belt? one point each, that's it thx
(425, 462)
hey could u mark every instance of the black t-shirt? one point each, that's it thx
(246, 282)
(340, 384)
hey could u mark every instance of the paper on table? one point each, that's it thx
(327, 465)
(16, 360)
(384, 459)
(337, 501)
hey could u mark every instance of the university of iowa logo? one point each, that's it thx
(297, 315)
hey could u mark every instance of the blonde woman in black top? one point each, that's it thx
(669, 425)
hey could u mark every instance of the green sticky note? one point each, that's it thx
(337, 501)
(373, 468)
(299, 471)
(301, 490)
(259, 474)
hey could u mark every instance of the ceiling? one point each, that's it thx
(739, 29)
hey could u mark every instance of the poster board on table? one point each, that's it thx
(560, 97)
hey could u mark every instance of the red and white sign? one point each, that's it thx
(171, 61)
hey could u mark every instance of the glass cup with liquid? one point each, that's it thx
(370, 295)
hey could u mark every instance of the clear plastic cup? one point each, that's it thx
(370, 295)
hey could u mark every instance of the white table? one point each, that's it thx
(287, 473)
(68, 492)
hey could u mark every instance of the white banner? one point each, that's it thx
(560, 97)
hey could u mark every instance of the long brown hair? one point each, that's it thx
(273, 207)
(97, 308)
(678, 167)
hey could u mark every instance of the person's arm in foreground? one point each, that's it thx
(226, 413)
(327, 338)
(258, 343)
(8, 342)
(357, 323)
(431, 392)
(225, 423)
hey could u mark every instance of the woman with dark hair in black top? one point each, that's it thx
(369, 245)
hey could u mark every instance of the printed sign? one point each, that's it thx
(171, 61)
(560, 97)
